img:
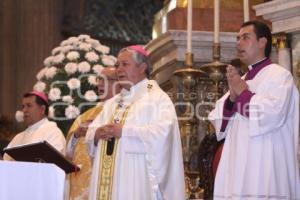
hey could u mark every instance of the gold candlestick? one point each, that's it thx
(188, 126)
(216, 70)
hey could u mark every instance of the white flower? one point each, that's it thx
(51, 113)
(64, 43)
(83, 37)
(92, 80)
(59, 58)
(73, 83)
(91, 56)
(84, 67)
(90, 95)
(73, 40)
(41, 73)
(71, 112)
(54, 94)
(93, 42)
(68, 99)
(48, 61)
(39, 86)
(109, 60)
(85, 46)
(19, 116)
(73, 55)
(66, 49)
(71, 68)
(56, 50)
(98, 69)
(50, 73)
(102, 49)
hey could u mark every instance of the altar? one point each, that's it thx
(34, 181)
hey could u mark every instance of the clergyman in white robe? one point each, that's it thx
(259, 158)
(43, 130)
(149, 163)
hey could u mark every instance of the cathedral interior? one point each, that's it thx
(30, 29)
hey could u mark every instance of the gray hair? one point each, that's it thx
(139, 59)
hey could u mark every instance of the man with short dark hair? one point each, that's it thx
(39, 128)
(259, 119)
(135, 141)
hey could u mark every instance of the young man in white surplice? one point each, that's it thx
(259, 119)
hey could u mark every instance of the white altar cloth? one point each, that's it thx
(34, 181)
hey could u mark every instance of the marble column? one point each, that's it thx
(284, 52)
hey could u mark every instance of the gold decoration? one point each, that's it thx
(216, 70)
(107, 164)
(80, 181)
(280, 40)
(298, 72)
(188, 126)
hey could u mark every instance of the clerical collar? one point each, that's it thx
(255, 68)
(126, 97)
(134, 88)
(256, 64)
(36, 125)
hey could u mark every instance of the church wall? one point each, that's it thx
(29, 29)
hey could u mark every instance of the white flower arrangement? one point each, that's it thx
(39, 86)
(90, 96)
(92, 80)
(54, 94)
(68, 99)
(19, 116)
(72, 112)
(69, 76)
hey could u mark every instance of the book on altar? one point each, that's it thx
(41, 152)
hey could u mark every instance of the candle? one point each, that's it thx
(217, 21)
(189, 26)
(246, 10)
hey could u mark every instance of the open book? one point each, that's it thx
(41, 152)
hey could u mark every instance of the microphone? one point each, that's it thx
(110, 146)
(111, 143)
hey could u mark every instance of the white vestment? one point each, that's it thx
(43, 130)
(259, 158)
(149, 163)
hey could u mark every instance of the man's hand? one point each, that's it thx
(108, 131)
(235, 83)
(82, 129)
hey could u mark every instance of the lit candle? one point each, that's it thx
(246, 10)
(217, 21)
(189, 26)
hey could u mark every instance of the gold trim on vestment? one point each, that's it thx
(80, 181)
(107, 165)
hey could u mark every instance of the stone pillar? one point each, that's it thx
(284, 52)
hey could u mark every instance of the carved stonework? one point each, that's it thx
(284, 14)
(167, 53)
(285, 18)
